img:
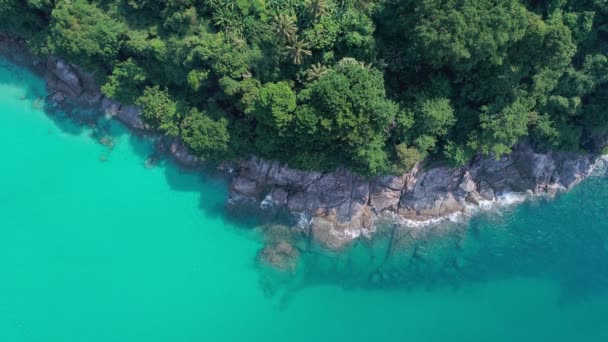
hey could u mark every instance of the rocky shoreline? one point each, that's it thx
(335, 208)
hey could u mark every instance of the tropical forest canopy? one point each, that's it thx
(372, 85)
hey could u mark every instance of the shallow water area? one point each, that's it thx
(96, 244)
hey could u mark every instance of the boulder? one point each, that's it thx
(244, 187)
(109, 106)
(182, 154)
(485, 191)
(279, 197)
(386, 192)
(131, 116)
(67, 75)
(433, 195)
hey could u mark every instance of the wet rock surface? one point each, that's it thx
(182, 154)
(338, 207)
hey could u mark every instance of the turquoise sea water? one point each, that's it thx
(97, 246)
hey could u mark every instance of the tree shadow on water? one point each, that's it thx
(15, 76)
(542, 241)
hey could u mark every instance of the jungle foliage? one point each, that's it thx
(371, 85)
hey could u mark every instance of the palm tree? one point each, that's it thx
(316, 71)
(228, 20)
(222, 18)
(211, 4)
(351, 61)
(316, 8)
(366, 66)
(297, 50)
(281, 5)
(394, 56)
(285, 26)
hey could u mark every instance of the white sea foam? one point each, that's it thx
(600, 167)
(498, 205)
(457, 217)
(304, 221)
(267, 203)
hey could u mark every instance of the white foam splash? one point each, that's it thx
(456, 217)
(304, 221)
(600, 167)
(267, 203)
(497, 205)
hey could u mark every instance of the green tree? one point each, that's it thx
(346, 114)
(25, 18)
(125, 81)
(435, 116)
(208, 138)
(502, 128)
(297, 50)
(275, 106)
(84, 34)
(316, 71)
(284, 26)
(317, 8)
(406, 158)
(474, 31)
(159, 110)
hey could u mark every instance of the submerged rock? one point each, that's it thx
(281, 255)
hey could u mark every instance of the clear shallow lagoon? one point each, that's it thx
(95, 246)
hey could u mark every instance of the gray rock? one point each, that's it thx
(297, 202)
(433, 195)
(131, 116)
(182, 154)
(467, 184)
(485, 191)
(109, 106)
(72, 82)
(58, 97)
(573, 170)
(474, 198)
(68, 75)
(386, 192)
(279, 197)
(244, 187)
(343, 206)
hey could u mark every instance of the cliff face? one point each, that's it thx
(334, 208)
(340, 206)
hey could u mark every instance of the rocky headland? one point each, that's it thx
(335, 208)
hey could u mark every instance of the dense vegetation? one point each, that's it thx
(372, 85)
